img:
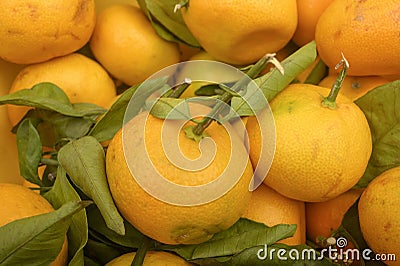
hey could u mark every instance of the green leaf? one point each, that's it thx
(84, 162)
(317, 73)
(171, 108)
(273, 82)
(381, 108)
(242, 235)
(61, 193)
(38, 238)
(113, 120)
(100, 252)
(131, 239)
(350, 229)
(29, 151)
(169, 24)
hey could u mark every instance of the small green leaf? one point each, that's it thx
(38, 238)
(131, 239)
(171, 108)
(273, 82)
(61, 193)
(29, 151)
(242, 235)
(100, 252)
(381, 108)
(172, 24)
(317, 73)
(84, 162)
(113, 120)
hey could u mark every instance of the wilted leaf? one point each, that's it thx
(38, 238)
(381, 107)
(84, 162)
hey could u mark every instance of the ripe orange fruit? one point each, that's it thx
(309, 12)
(177, 223)
(133, 52)
(379, 213)
(354, 87)
(364, 32)
(8, 144)
(241, 32)
(81, 78)
(271, 208)
(103, 4)
(152, 258)
(322, 218)
(320, 152)
(34, 31)
(19, 202)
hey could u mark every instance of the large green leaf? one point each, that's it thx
(84, 162)
(113, 120)
(242, 235)
(61, 193)
(131, 239)
(48, 96)
(38, 238)
(29, 151)
(381, 107)
(273, 82)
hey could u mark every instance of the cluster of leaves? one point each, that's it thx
(74, 155)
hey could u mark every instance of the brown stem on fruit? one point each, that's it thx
(239, 85)
(330, 100)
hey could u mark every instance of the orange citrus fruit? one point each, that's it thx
(133, 52)
(8, 144)
(152, 258)
(81, 78)
(379, 213)
(241, 32)
(322, 218)
(271, 208)
(19, 202)
(364, 32)
(320, 152)
(34, 31)
(354, 87)
(309, 12)
(177, 223)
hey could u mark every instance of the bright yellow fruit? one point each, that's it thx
(309, 12)
(126, 44)
(152, 258)
(81, 78)
(241, 32)
(34, 31)
(8, 143)
(320, 152)
(271, 208)
(322, 218)
(172, 223)
(354, 87)
(364, 32)
(379, 214)
(19, 202)
(103, 4)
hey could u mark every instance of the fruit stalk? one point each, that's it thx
(330, 100)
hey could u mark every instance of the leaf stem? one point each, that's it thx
(239, 85)
(141, 252)
(330, 100)
(178, 90)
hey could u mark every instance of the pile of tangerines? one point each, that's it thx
(335, 168)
